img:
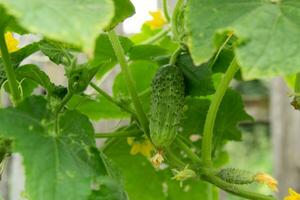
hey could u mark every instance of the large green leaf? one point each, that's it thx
(57, 165)
(267, 33)
(99, 108)
(159, 185)
(77, 22)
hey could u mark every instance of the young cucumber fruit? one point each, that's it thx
(167, 103)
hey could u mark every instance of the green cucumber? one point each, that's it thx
(167, 103)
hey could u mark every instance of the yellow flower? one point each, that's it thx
(11, 42)
(140, 145)
(157, 159)
(266, 179)
(292, 195)
(183, 175)
(157, 21)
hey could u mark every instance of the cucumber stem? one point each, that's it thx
(212, 113)
(297, 83)
(166, 12)
(112, 100)
(143, 120)
(188, 151)
(134, 133)
(9, 70)
(157, 36)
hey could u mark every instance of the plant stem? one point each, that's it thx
(143, 120)
(64, 101)
(9, 70)
(175, 18)
(173, 159)
(166, 12)
(297, 84)
(212, 113)
(157, 36)
(119, 134)
(112, 100)
(234, 189)
(220, 50)
(175, 55)
(188, 151)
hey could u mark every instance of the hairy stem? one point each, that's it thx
(212, 113)
(9, 70)
(112, 100)
(134, 133)
(297, 84)
(188, 151)
(157, 36)
(143, 120)
(175, 18)
(175, 55)
(166, 12)
(64, 101)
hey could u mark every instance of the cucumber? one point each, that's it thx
(167, 103)
(236, 176)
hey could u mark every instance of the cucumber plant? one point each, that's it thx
(174, 85)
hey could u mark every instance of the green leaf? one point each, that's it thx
(198, 80)
(123, 10)
(148, 52)
(72, 160)
(77, 23)
(266, 32)
(104, 55)
(109, 190)
(96, 109)
(146, 33)
(35, 74)
(17, 57)
(230, 113)
(160, 185)
(57, 52)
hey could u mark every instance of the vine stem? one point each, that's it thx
(233, 189)
(175, 17)
(166, 12)
(112, 100)
(297, 83)
(188, 151)
(208, 174)
(65, 100)
(9, 70)
(119, 134)
(157, 36)
(175, 55)
(130, 85)
(212, 113)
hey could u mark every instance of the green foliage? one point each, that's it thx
(206, 45)
(72, 160)
(257, 48)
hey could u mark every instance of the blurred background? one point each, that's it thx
(270, 144)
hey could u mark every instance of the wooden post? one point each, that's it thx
(285, 127)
